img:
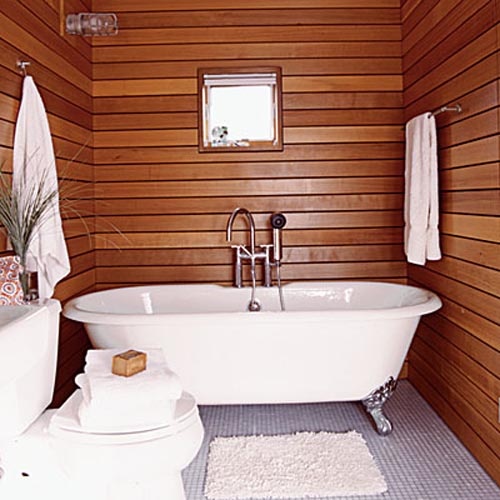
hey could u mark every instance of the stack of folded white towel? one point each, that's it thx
(112, 403)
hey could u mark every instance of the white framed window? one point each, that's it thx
(240, 109)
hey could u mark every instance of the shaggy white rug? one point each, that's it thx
(302, 465)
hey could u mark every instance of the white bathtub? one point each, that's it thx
(336, 341)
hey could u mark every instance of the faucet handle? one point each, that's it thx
(267, 250)
(242, 250)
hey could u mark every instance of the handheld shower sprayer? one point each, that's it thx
(278, 222)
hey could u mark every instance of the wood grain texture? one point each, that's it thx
(450, 54)
(123, 112)
(339, 177)
(290, 67)
(62, 70)
(200, 5)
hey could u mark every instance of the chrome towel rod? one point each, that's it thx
(457, 108)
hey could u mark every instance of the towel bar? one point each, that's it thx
(457, 108)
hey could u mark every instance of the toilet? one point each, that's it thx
(126, 464)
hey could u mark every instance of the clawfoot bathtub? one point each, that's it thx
(336, 341)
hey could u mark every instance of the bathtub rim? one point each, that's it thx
(73, 311)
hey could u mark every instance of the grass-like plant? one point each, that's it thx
(26, 206)
(23, 210)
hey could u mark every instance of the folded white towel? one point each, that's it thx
(113, 403)
(156, 383)
(127, 415)
(421, 211)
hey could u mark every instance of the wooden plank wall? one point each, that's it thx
(450, 54)
(338, 180)
(162, 206)
(61, 68)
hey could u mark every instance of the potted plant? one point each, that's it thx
(23, 210)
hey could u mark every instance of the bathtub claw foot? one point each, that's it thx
(383, 424)
(374, 403)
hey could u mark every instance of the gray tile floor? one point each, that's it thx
(422, 459)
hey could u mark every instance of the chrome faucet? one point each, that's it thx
(243, 252)
(249, 252)
(251, 224)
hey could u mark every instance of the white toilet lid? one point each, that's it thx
(65, 424)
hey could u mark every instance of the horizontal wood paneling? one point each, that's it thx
(290, 204)
(419, 58)
(445, 22)
(247, 170)
(291, 152)
(243, 52)
(62, 70)
(339, 177)
(201, 5)
(123, 112)
(181, 189)
(218, 274)
(289, 67)
(450, 54)
(209, 15)
(471, 226)
(249, 34)
(200, 239)
(292, 135)
(214, 222)
(481, 252)
(217, 255)
(297, 118)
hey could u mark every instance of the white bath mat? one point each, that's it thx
(302, 465)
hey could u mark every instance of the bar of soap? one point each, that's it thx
(129, 363)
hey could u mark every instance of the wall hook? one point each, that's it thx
(22, 65)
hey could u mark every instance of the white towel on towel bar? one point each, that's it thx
(34, 160)
(421, 207)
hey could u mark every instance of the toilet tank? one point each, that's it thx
(28, 357)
